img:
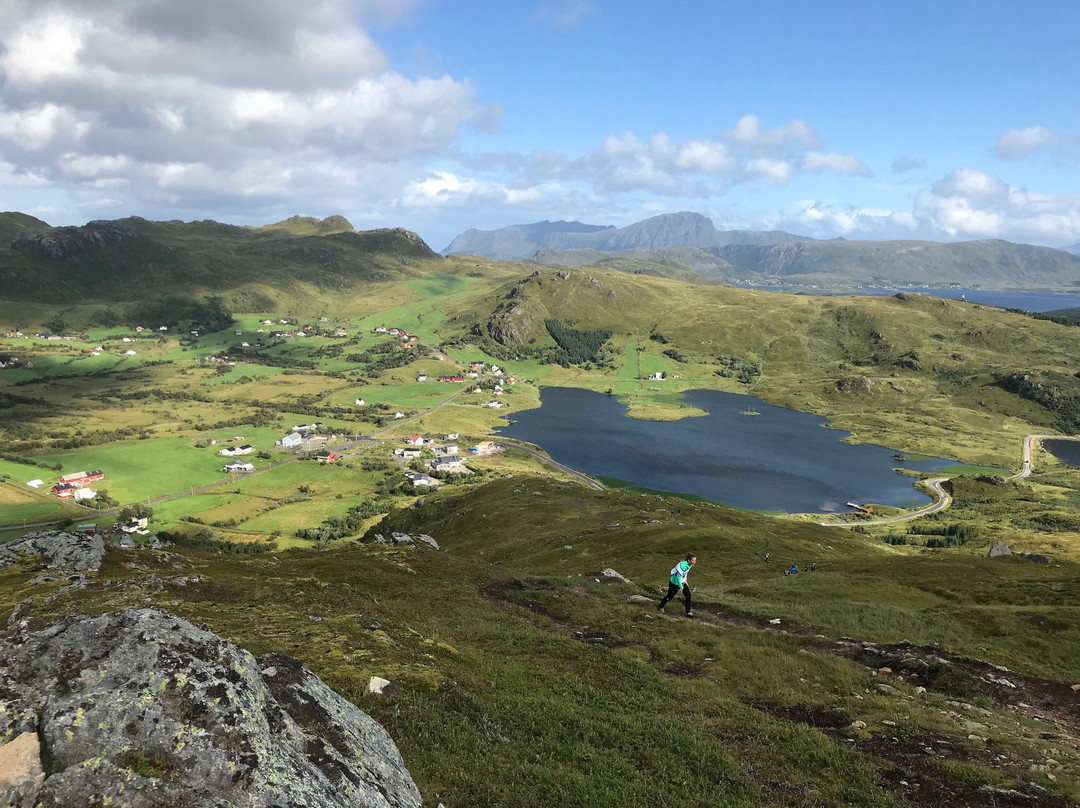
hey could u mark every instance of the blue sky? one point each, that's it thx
(946, 120)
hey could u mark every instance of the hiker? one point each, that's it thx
(813, 566)
(794, 569)
(766, 556)
(678, 581)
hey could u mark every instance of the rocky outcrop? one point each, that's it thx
(1000, 548)
(62, 242)
(407, 539)
(144, 709)
(57, 549)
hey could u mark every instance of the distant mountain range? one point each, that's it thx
(668, 230)
(775, 257)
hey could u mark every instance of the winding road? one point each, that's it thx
(943, 499)
(577, 475)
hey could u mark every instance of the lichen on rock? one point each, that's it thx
(146, 709)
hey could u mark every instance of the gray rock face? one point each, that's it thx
(612, 574)
(144, 709)
(999, 548)
(82, 552)
(426, 539)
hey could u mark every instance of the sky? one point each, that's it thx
(945, 120)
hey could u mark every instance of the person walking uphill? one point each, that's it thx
(678, 581)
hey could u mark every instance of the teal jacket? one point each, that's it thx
(679, 573)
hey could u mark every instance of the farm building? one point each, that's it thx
(82, 477)
(291, 441)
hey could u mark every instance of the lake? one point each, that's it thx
(1066, 451)
(778, 460)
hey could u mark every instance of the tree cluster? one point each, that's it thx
(575, 347)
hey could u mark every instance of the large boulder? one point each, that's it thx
(144, 709)
(57, 549)
(999, 548)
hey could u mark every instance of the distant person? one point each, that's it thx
(794, 569)
(813, 566)
(678, 581)
(766, 556)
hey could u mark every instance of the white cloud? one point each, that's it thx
(748, 132)
(972, 204)
(816, 162)
(966, 204)
(1017, 143)
(971, 183)
(245, 99)
(14, 177)
(446, 190)
(772, 172)
(695, 168)
(562, 13)
(709, 157)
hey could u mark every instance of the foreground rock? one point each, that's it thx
(57, 549)
(144, 709)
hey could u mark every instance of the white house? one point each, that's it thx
(447, 449)
(492, 404)
(399, 415)
(235, 451)
(415, 440)
(421, 377)
(129, 352)
(451, 436)
(238, 465)
(448, 463)
(291, 441)
(360, 402)
(408, 454)
(419, 478)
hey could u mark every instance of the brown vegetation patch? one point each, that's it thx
(912, 770)
(817, 717)
(966, 679)
(684, 670)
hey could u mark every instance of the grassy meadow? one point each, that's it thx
(529, 678)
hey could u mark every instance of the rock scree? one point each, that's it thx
(143, 709)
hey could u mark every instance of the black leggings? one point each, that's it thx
(672, 591)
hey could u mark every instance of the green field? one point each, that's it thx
(528, 677)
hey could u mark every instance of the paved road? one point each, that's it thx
(589, 481)
(944, 500)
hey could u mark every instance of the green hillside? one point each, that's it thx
(987, 264)
(530, 677)
(130, 259)
(873, 364)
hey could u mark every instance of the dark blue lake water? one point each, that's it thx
(1066, 451)
(778, 460)
(1028, 301)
